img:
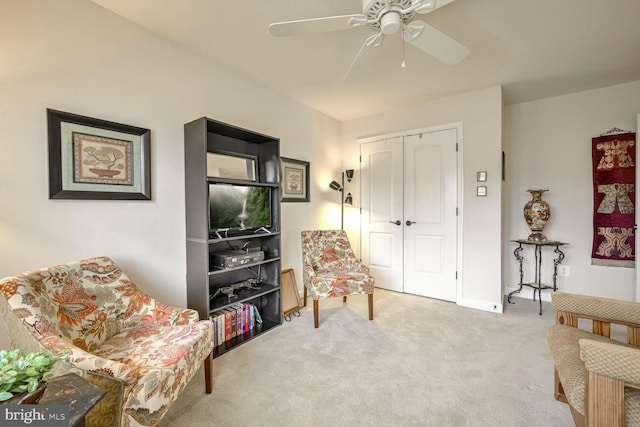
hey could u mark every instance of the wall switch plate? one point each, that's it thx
(564, 270)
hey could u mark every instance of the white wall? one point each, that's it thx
(77, 57)
(480, 113)
(548, 145)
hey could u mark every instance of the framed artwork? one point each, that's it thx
(97, 159)
(291, 303)
(295, 180)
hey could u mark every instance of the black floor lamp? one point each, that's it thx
(348, 200)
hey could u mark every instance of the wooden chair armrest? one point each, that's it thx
(611, 360)
(596, 308)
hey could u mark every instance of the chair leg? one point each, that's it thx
(305, 296)
(344, 299)
(315, 313)
(207, 374)
(370, 306)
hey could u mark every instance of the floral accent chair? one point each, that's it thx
(331, 269)
(141, 351)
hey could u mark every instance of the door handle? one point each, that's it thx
(396, 222)
(409, 223)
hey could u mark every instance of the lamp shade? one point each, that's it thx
(349, 174)
(334, 185)
(348, 200)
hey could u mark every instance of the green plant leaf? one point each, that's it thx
(23, 371)
(4, 395)
(33, 384)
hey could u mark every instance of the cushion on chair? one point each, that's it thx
(329, 283)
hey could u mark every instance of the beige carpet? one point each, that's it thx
(419, 362)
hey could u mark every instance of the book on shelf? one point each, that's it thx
(239, 323)
(234, 321)
(214, 319)
(241, 313)
(251, 316)
(220, 330)
(257, 314)
(227, 324)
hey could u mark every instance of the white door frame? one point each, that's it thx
(460, 196)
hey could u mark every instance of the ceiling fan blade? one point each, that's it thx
(363, 59)
(313, 25)
(435, 43)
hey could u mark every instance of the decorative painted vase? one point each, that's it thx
(537, 213)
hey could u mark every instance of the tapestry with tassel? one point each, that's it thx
(614, 199)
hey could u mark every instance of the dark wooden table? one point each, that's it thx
(75, 391)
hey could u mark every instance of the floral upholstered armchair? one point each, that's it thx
(331, 269)
(142, 352)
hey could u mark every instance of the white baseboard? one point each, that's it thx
(482, 305)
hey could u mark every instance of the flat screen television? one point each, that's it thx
(239, 207)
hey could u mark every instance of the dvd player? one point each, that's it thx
(236, 258)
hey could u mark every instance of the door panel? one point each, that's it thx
(381, 252)
(432, 245)
(381, 202)
(430, 183)
(426, 169)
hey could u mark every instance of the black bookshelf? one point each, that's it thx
(205, 281)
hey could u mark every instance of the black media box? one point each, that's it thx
(236, 258)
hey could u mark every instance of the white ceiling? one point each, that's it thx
(534, 49)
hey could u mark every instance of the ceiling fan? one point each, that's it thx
(386, 17)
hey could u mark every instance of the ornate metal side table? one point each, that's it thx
(537, 284)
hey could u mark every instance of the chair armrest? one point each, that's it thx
(307, 265)
(615, 311)
(144, 310)
(360, 267)
(166, 315)
(611, 360)
(352, 263)
(88, 362)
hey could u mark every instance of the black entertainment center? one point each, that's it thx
(232, 196)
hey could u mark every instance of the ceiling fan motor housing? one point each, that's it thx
(387, 20)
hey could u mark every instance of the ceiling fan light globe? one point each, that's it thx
(390, 23)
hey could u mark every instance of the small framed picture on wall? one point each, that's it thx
(295, 180)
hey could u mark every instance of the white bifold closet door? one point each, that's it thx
(409, 219)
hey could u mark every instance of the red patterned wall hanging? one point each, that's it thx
(614, 199)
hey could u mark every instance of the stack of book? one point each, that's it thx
(233, 322)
